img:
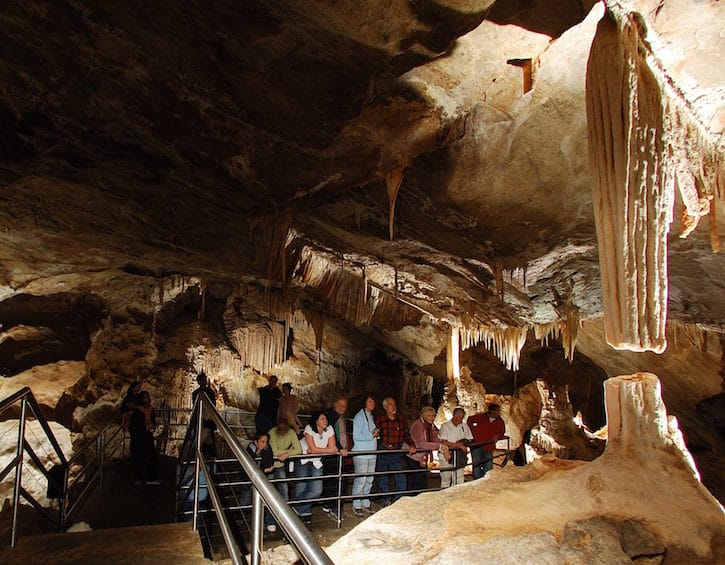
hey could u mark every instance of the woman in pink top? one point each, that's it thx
(425, 435)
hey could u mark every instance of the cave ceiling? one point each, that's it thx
(171, 139)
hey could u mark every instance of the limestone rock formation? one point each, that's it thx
(433, 200)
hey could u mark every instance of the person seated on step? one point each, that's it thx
(143, 447)
(260, 450)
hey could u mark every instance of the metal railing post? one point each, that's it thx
(197, 467)
(18, 472)
(339, 491)
(63, 504)
(257, 526)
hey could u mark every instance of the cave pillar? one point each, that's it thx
(453, 355)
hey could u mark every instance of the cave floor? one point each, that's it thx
(122, 504)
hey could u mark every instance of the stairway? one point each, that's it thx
(172, 544)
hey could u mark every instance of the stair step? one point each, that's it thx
(172, 544)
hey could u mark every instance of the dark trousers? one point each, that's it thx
(330, 487)
(482, 461)
(419, 480)
(390, 462)
(143, 456)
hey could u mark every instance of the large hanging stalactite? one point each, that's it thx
(632, 197)
(644, 140)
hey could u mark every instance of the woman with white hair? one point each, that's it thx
(424, 434)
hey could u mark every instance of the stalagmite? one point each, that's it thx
(393, 180)
(643, 142)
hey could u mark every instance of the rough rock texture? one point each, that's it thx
(49, 384)
(642, 476)
(690, 371)
(33, 481)
(557, 433)
(328, 190)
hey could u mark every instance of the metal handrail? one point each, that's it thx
(299, 536)
(27, 400)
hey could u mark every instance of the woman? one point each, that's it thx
(143, 448)
(319, 439)
(365, 438)
(424, 434)
(259, 449)
(284, 443)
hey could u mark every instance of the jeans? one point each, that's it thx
(362, 485)
(280, 473)
(482, 461)
(390, 462)
(305, 490)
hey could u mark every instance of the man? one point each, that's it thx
(425, 436)
(289, 407)
(393, 432)
(486, 428)
(266, 416)
(336, 419)
(208, 445)
(455, 437)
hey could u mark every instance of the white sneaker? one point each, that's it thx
(271, 528)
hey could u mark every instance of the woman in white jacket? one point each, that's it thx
(364, 435)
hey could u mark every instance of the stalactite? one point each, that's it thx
(569, 334)
(347, 294)
(275, 235)
(505, 343)
(565, 331)
(453, 356)
(644, 141)
(261, 345)
(633, 196)
(393, 180)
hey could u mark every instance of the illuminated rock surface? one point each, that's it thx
(631, 491)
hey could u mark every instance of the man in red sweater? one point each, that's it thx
(486, 427)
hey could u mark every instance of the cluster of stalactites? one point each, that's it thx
(504, 343)
(645, 142)
(565, 331)
(348, 294)
(261, 345)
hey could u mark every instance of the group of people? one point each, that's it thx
(410, 448)
(382, 443)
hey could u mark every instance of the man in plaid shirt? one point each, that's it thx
(393, 432)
